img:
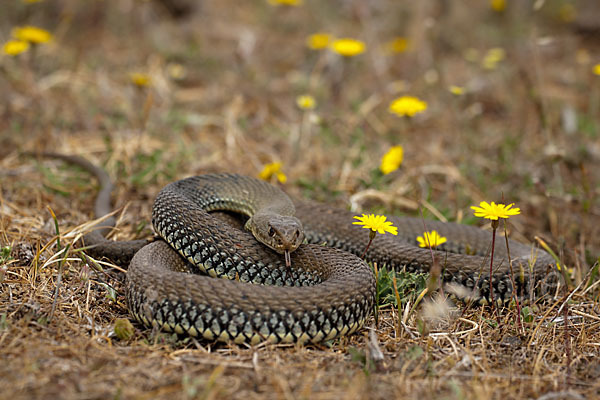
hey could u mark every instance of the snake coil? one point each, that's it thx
(327, 292)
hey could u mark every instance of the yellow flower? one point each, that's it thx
(348, 47)
(306, 102)
(377, 223)
(596, 69)
(498, 5)
(497, 53)
(140, 79)
(31, 34)
(271, 169)
(456, 90)
(14, 47)
(494, 211)
(397, 45)
(407, 106)
(431, 238)
(493, 57)
(285, 2)
(318, 41)
(392, 160)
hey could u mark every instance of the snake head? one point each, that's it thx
(279, 232)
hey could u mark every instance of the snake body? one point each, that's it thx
(162, 293)
(325, 293)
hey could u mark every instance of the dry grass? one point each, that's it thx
(510, 136)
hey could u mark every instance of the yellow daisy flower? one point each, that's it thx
(306, 102)
(494, 211)
(348, 47)
(391, 160)
(498, 5)
(407, 106)
(431, 238)
(285, 2)
(456, 90)
(493, 57)
(596, 69)
(140, 79)
(397, 45)
(31, 34)
(377, 223)
(318, 41)
(14, 47)
(273, 169)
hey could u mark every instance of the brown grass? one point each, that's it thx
(509, 137)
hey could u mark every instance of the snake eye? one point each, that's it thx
(271, 232)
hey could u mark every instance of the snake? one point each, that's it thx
(292, 272)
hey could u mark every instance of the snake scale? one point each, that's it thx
(326, 292)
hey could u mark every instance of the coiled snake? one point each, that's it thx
(325, 293)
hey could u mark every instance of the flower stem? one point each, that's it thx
(512, 281)
(495, 224)
(367, 248)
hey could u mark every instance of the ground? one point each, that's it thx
(512, 94)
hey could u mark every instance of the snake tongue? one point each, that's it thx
(288, 259)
